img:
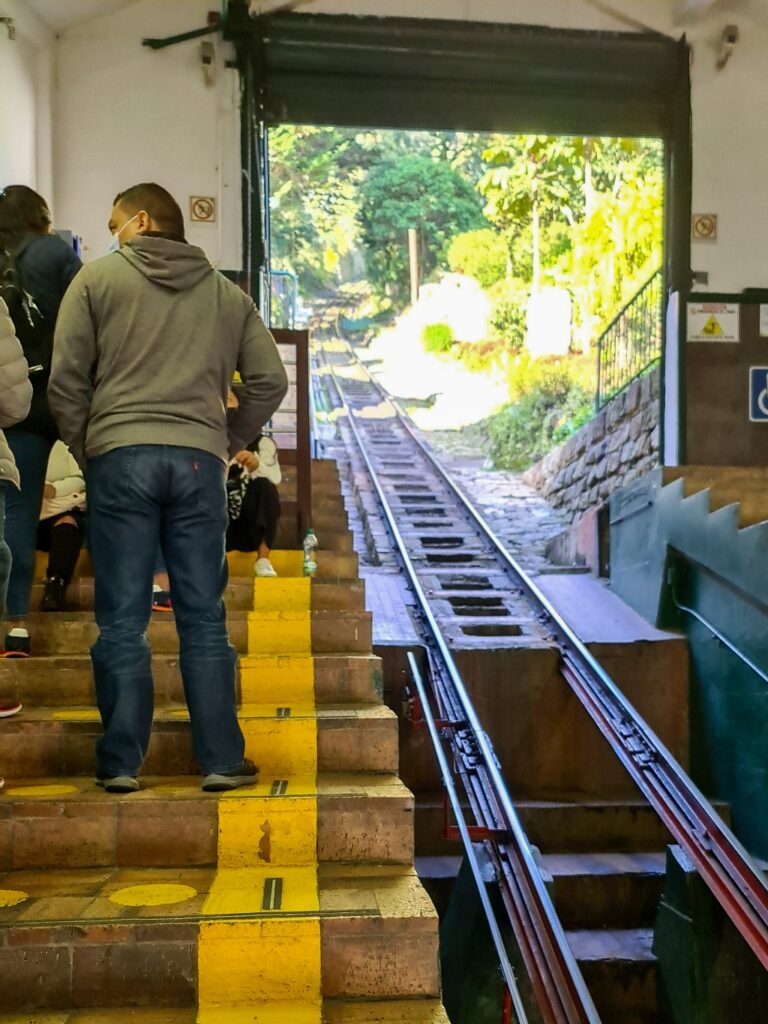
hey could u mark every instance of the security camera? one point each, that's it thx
(728, 41)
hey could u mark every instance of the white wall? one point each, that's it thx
(730, 156)
(125, 113)
(26, 78)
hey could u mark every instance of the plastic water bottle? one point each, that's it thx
(310, 543)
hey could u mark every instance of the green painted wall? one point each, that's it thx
(665, 546)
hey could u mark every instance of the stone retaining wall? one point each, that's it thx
(618, 445)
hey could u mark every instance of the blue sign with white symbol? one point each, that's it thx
(758, 394)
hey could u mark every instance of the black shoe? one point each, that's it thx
(54, 589)
(16, 644)
(161, 601)
(218, 782)
(117, 783)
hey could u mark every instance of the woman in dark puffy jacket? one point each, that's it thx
(45, 266)
(15, 398)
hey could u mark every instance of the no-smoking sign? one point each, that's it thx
(203, 208)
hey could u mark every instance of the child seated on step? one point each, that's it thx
(252, 498)
(61, 527)
(253, 502)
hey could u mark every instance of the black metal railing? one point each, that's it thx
(631, 343)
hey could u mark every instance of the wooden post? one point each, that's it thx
(413, 263)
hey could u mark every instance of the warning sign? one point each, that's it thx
(713, 321)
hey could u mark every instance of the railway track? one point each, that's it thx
(459, 571)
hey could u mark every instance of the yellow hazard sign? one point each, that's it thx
(712, 328)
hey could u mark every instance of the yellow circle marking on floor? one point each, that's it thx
(41, 791)
(157, 895)
(12, 897)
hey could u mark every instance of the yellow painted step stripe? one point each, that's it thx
(282, 594)
(245, 891)
(280, 680)
(281, 740)
(279, 632)
(267, 959)
(267, 840)
(272, 823)
(267, 1013)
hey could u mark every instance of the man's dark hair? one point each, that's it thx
(158, 203)
(23, 212)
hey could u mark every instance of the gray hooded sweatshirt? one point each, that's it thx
(146, 345)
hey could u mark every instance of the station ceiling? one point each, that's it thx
(61, 15)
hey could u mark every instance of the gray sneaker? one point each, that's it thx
(218, 782)
(118, 783)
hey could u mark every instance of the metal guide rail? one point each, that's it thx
(386, 441)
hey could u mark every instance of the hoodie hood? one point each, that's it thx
(175, 265)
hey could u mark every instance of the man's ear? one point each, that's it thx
(144, 222)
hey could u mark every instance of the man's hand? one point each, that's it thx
(49, 491)
(248, 460)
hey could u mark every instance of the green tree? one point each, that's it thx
(480, 254)
(615, 248)
(531, 180)
(413, 192)
(315, 173)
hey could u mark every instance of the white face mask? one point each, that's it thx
(115, 244)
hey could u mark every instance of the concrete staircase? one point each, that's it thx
(744, 486)
(292, 901)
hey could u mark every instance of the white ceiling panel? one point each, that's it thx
(60, 15)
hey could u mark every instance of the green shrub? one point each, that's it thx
(437, 337)
(510, 299)
(549, 404)
(479, 254)
(481, 356)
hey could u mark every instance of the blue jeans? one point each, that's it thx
(140, 498)
(22, 514)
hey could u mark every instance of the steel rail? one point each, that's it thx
(556, 977)
(445, 771)
(728, 869)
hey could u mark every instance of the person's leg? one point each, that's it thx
(66, 541)
(66, 544)
(31, 452)
(7, 707)
(194, 524)
(124, 533)
(258, 522)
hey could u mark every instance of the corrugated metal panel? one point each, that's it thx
(419, 73)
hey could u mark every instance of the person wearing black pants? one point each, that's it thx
(46, 266)
(61, 525)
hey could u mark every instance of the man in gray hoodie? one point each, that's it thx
(147, 342)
